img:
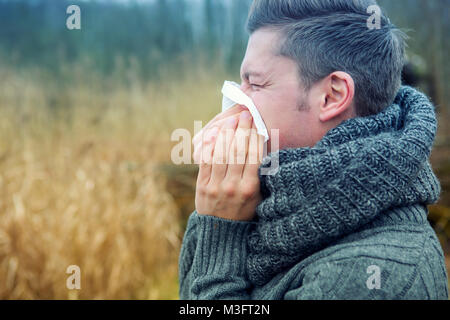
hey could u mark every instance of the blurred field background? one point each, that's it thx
(86, 118)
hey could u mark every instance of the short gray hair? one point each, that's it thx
(324, 36)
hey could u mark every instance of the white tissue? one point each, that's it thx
(232, 95)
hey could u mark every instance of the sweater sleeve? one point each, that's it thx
(213, 258)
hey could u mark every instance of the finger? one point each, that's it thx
(205, 163)
(216, 122)
(254, 155)
(198, 139)
(220, 156)
(239, 148)
(222, 116)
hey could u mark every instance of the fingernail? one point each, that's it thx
(231, 121)
(212, 133)
(246, 115)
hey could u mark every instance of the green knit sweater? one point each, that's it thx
(346, 219)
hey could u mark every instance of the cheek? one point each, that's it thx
(266, 110)
(274, 117)
(275, 110)
(279, 110)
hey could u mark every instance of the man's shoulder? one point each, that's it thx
(390, 262)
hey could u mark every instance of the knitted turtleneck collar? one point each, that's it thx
(357, 172)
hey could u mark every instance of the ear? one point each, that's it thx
(339, 90)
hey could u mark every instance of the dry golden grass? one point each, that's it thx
(80, 185)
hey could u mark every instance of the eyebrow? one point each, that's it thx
(248, 74)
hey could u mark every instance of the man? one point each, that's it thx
(345, 216)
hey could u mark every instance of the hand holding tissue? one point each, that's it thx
(232, 95)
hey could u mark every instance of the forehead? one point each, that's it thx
(262, 51)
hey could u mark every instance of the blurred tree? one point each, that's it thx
(428, 25)
(238, 39)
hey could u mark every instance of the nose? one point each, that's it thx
(245, 88)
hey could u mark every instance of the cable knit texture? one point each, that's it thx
(357, 198)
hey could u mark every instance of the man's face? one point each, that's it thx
(272, 81)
